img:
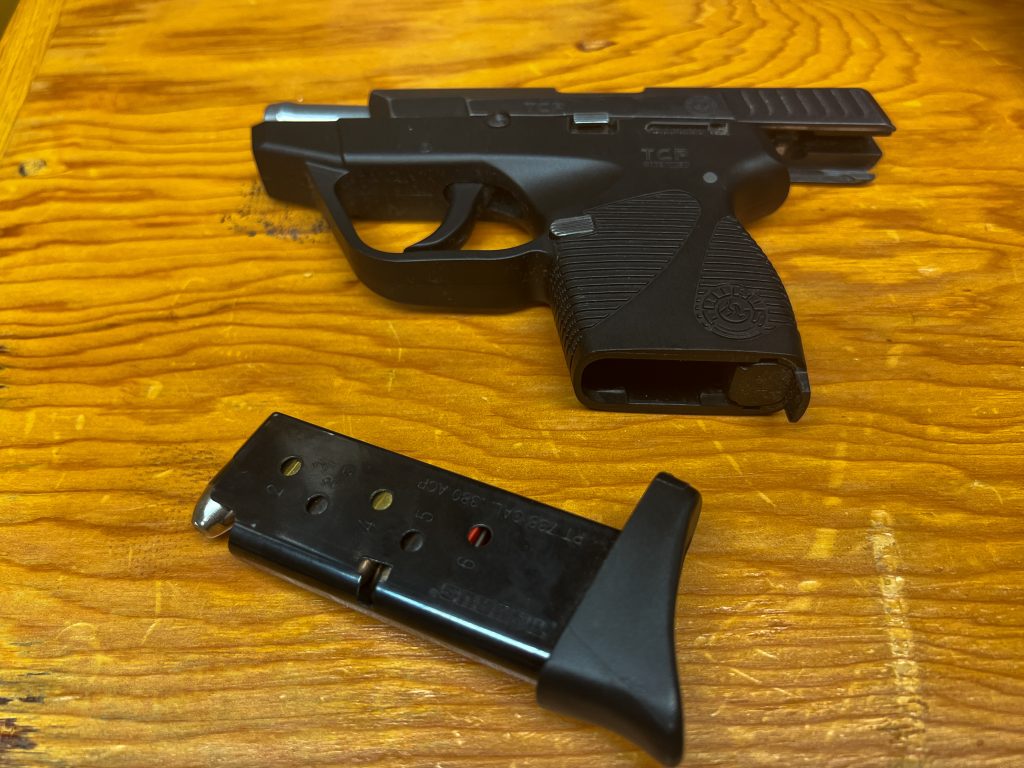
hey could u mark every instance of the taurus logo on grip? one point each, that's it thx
(733, 311)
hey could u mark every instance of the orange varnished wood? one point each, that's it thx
(854, 593)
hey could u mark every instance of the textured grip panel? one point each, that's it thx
(739, 294)
(807, 105)
(598, 272)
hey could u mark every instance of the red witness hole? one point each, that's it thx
(479, 535)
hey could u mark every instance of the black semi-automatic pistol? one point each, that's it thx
(635, 206)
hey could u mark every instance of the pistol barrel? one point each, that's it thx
(290, 112)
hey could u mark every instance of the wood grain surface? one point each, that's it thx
(854, 595)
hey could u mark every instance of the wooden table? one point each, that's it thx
(854, 595)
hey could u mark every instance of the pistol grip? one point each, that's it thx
(667, 305)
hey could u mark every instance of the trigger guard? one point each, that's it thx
(504, 279)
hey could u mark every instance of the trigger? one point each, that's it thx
(464, 202)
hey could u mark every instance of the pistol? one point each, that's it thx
(635, 207)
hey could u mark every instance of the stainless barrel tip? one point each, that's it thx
(290, 112)
(210, 518)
